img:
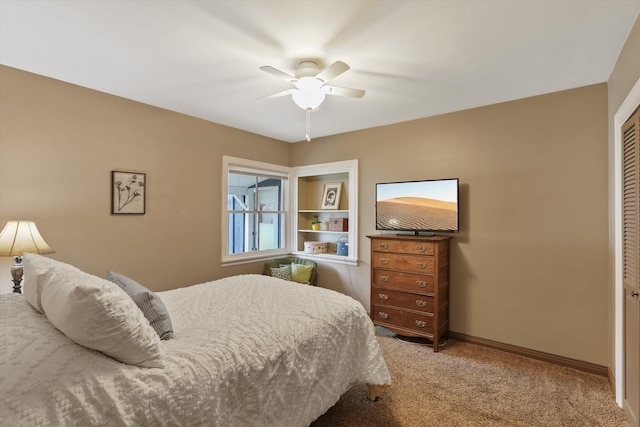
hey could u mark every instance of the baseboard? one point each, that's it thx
(534, 354)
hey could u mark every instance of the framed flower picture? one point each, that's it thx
(331, 196)
(128, 193)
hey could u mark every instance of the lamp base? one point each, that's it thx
(16, 273)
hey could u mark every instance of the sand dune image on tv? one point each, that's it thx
(411, 213)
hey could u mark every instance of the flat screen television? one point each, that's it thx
(427, 206)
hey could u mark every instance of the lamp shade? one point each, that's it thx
(309, 95)
(19, 237)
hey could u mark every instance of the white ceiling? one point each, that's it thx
(414, 58)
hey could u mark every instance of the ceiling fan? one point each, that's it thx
(311, 83)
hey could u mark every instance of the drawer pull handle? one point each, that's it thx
(420, 248)
(421, 264)
(384, 261)
(421, 283)
(383, 314)
(383, 296)
(383, 246)
(421, 303)
(384, 278)
(421, 323)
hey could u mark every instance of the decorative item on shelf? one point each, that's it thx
(316, 247)
(128, 193)
(338, 224)
(17, 238)
(315, 224)
(343, 246)
(331, 196)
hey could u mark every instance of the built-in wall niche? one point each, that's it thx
(334, 239)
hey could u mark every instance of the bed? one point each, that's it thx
(247, 350)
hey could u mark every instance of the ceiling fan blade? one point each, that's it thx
(343, 91)
(279, 94)
(280, 74)
(332, 71)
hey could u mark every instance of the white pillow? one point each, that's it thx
(33, 267)
(99, 315)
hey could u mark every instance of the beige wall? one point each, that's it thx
(529, 267)
(58, 146)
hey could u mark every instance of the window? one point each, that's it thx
(254, 218)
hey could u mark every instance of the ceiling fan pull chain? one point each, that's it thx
(307, 136)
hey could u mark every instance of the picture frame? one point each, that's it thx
(128, 193)
(331, 195)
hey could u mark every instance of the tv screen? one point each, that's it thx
(418, 206)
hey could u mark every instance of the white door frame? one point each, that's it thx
(629, 105)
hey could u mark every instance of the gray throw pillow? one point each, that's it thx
(149, 303)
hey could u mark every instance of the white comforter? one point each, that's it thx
(248, 350)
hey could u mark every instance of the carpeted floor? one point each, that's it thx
(470, 385)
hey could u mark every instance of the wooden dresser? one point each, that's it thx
(410, 285)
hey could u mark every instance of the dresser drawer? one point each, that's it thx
(402, 299)
(417, 248)
(410, 263)
(405, 281)
(421, 323)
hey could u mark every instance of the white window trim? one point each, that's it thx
(253, 166)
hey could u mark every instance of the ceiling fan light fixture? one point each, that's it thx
(311, 86)
(309, 95)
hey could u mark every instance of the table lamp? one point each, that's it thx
(19, 237)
